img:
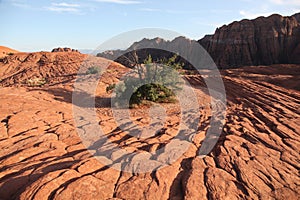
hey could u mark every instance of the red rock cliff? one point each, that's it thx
(262, 41)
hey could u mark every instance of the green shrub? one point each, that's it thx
(93, 70)
(155, 82)
(152, 92)
(110, 87)
(36, 82)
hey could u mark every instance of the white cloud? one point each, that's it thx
(286, 2)
(214, 25)
(251, 15)
(296, 10)
(61, 9)
(64, 7)
(119, 1)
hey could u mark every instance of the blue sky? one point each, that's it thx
(34, 25)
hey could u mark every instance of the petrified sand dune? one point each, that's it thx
(42, 156)
(4, 51)
(55, 67)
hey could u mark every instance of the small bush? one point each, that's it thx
(150, 81)
(36, 82)
(152, 92)
(93, 70)
(158, 84)
(110, 87)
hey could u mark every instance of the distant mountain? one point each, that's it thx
(111, 54)
(155, 43)
(262, 41)
(87, 51)
(158, 48)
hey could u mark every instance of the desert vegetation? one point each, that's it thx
(93, 70)
(154, 81)
(36, 82)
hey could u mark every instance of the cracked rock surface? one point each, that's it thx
(256, 157)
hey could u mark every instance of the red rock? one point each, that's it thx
(262, 41)
(257, 155)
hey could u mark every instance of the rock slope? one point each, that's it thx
(257, 156)
(5, 51)
(50, 68)
(17, 69)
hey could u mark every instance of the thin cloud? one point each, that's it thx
(61, 9)
(64, 7)
(250, 15)
(286, 2)
(296, 10)
(125, 2)
(214, 25)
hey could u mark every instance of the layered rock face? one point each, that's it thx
(262, 41)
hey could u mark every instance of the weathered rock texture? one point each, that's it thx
(5, 51)
(53, 68)
(17, 69)
(257, 156)
(262, 41)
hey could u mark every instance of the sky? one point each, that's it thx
(36, 25)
